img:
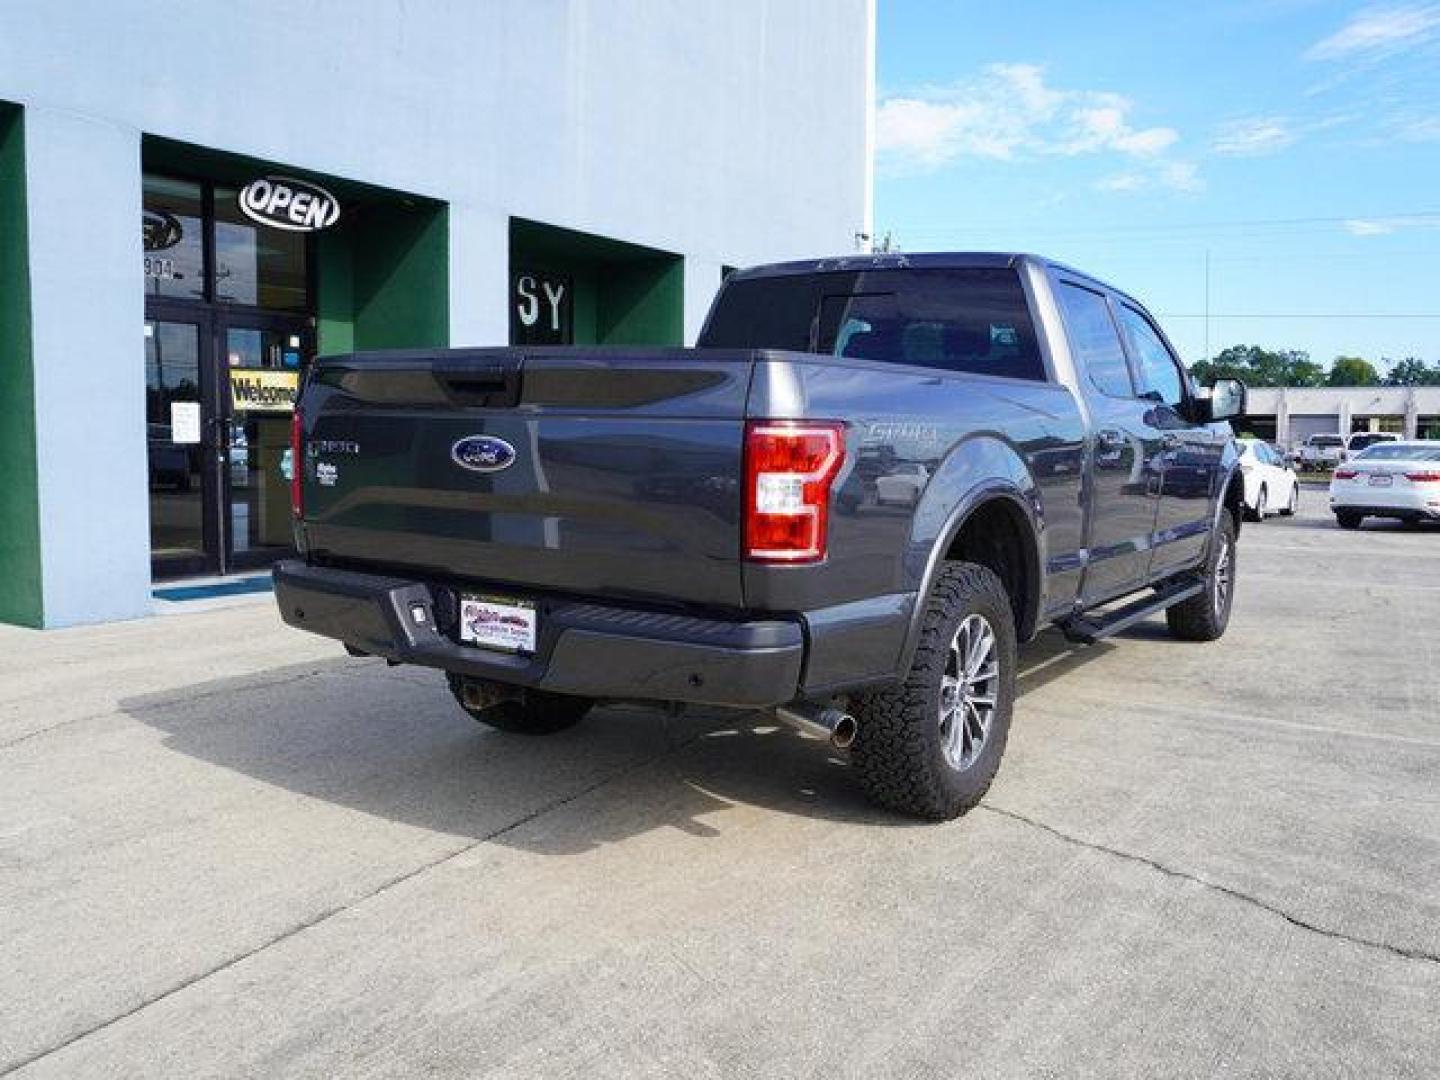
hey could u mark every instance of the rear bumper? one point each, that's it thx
(1409, 501)
(584, 649)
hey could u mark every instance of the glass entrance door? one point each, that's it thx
(261, 360)
(183, 539)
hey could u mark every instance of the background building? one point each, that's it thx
(196, 197)
(1288, 415)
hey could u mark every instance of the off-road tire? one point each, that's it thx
(1348, 519)
(537, 713)
(898, 752)
(1204, 616)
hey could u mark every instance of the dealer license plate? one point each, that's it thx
(495, 623)
(1380, 480)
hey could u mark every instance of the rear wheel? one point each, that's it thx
(1294, 503)
(930, 745)
(1204, 616)
(1262, 503)
(536, 712)
(1348, 519)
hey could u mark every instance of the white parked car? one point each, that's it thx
(902, 485)
(1320, 452)
(1390, 479)
(1271, 485)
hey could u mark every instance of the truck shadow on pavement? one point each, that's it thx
(394, 745)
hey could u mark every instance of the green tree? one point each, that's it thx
(1256, 366)
(1413, 372)
(1352, 371)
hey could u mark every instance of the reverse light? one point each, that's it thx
(790, 466)
(1431, 476)
(297, 464)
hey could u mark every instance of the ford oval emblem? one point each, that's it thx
(482, 453)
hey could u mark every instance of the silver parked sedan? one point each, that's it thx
(1393, 480)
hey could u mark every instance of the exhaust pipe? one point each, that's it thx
(836, 726)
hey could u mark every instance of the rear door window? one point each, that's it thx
(1095, 340)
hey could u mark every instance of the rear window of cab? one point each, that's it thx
(967, 319)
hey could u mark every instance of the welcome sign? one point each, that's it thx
(263, 390)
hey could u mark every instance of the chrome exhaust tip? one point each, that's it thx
(836, 726)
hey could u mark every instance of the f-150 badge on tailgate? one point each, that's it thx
(482, 453)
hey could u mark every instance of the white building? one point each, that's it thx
(1289, 415)
(503, 170)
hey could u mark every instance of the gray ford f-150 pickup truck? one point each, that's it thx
(872, 479)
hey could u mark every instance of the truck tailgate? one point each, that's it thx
(622, 478)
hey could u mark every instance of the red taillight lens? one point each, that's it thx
(790, 466)
(297, 464)
(1345, 474)
(1429, 477)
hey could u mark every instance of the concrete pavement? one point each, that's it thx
(226, 850)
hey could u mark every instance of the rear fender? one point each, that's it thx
(980, 470)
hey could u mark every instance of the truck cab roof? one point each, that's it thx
(920, 260)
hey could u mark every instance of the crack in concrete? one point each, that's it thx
(1214, 886)
(671, 747)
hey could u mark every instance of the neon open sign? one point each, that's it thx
(283, 202)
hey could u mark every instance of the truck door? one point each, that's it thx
(1192, 452)
(1124, 463)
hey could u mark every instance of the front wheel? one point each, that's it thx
(1204, 616)
(537, 712)
(930, 745)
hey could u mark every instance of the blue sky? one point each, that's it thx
(1296, 142)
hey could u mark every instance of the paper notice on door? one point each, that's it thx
(185, 422)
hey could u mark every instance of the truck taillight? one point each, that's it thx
(1345, 474)
(297, 463)
(790, 466)
(1430, 476)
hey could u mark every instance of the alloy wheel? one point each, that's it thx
(1221, 579)
(968, 691)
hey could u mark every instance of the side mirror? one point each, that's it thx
(1226, 400)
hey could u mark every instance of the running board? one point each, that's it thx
(1085, 630)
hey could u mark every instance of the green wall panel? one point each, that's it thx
(384, 280)
(21, 598)
(643, 303)
(401, 280)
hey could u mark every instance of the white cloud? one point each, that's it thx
(1417, 128)
(1172, 175)
(1181, 175)
(1130, 181)
(1006, 112)
(1253, 136)
(1378, 31)
(1384, 226)
(1365, 227)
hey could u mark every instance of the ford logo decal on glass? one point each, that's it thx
(482, 453)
